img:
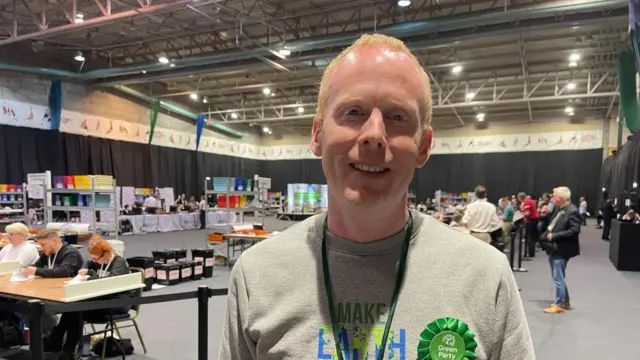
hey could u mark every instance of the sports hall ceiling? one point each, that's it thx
(511, 60)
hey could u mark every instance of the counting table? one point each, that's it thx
(238, 243)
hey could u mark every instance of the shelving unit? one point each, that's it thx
(92, 194)
(258, 193)
(462, 198)
(14, 198)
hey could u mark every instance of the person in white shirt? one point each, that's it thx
(19, 249)
(151, 204)
(481, 216)
(203, 213)
(583, 210)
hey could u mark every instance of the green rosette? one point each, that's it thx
(447, 339)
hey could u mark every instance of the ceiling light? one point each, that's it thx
(265, 129)
(234, 115)
(266, 91)
(469, 96)
(205, 100)
(193, 96)
(273, 94)
(144, 71)
(404, 3)
(573, 63)
(163, 60)
(79, 18)
(568, 109)
(456, 69)
(574, 57)
(172, 65)
(480, 116)
(635, 184)
(300, 109)
(571, 85)
(79, 57)
(284, 51)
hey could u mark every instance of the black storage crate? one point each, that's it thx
(197, 270)
(145, 263)
(167, 274)
(165, 256)
(207, 256)
(185, 271)
(180, 254)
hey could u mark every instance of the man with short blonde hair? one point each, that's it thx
(371, 278)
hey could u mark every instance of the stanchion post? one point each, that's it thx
(512, 253)
(203, 322)
(36, 310)
(521, 248)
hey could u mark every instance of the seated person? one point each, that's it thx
(58, 260)
(19, 248)
(104, 263)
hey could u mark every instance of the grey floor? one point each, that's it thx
(602, 325)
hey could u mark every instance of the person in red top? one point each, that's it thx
(530, 211)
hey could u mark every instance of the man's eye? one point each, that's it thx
(398, 117)
(354, 112)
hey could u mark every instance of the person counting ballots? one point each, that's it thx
(19, 248)
(104, 263)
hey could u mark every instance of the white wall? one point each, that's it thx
(82, 99)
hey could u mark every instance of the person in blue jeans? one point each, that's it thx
(561, 241)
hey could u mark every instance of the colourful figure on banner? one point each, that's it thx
(5, 109)
(444, 144)
(459, 144)
(471, 143)
(123, 130)
(189, 140)
(560, 140)
(528, 141)
(542, 140)
(280, 153)
(515, 141)
(206, 144)
(486, 143)
(213, 144)
(138, 131)
(84, 125)
(110, 127)
(503, 144)
(46, 119)
(171, 139)
(158, 135)
(30, 116)
(573, 139)
(244, 149)
(589, 138)
(97, 125)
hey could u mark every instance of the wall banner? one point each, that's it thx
(81, 124)
(16, 113)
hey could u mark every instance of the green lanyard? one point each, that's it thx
(394, 298)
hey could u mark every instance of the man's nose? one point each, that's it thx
(374, 133)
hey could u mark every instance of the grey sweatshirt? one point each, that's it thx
(277, 306)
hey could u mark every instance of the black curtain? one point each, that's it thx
(502, 173)
(622, 169)
(25, 150)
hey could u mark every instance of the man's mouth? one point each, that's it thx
(369, 169)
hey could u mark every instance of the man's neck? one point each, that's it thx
(366, 226)
(57, 248)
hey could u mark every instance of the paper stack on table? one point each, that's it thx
(18, 276)
(78, 279)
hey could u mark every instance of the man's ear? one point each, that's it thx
(316, 142)
(425, 148)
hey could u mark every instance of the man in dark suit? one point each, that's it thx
(608, 214)
(561, 242)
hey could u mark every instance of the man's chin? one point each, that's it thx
(365, 198)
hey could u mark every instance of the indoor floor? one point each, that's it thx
(603, 323)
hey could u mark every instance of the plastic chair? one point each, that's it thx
(116, 320)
